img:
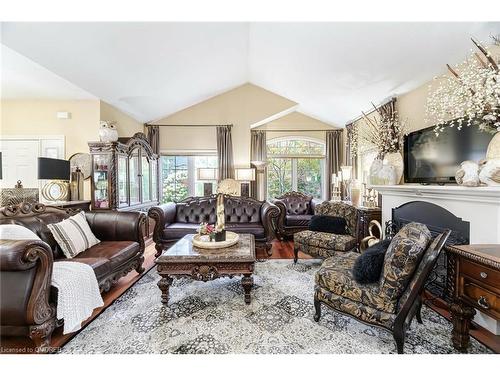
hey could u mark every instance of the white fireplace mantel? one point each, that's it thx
(480, 205)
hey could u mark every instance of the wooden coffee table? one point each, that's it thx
(185, 260)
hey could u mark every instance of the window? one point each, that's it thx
(180, 178)
(295, 164)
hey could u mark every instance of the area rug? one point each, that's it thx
(213, 318)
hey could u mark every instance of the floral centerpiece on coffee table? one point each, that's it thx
(206, 229)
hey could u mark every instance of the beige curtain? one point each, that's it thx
(225, 152)
(258, 152)
(333, 157)
(350, 159)
(153, 135)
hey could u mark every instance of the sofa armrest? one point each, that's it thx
(314, 203)
(163, 215)
(269, 212)
(25, 278)
(280, 219)
(117, 225)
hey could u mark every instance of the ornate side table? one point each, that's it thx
(185, 260)
(475, 286)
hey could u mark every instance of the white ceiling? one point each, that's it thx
(333, 70)
(23, 78)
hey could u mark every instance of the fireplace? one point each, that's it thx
(437, 219)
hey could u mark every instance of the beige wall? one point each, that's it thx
(32, 117)
(294, 121)
(242, 107)
(127, 126)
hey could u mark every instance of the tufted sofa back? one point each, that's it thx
(242, 210)
(297, 205)
(197, 210)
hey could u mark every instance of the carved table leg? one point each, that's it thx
(461, 318)
(164, 285)
(247, 283)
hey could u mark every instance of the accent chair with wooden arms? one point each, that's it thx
(325, 245)
(392, 302)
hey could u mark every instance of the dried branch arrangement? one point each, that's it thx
(383, 133)
(470, 95)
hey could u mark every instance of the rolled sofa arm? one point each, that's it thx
(163, 215)
(269, 212)
(280, 220)
(25, 278)
(117, 225)
(314, 203)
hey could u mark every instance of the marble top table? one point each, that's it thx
(185, 260)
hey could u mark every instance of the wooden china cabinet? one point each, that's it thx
(125, 176)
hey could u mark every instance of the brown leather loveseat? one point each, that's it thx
(28, 302)
(242, 215)
(296, 211)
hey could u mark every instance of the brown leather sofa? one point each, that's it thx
(242, 215)
(28, 303)
(296, 211)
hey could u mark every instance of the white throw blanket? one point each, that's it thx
(78, 293)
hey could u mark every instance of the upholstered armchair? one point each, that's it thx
(325, 245)
(395, 300)
(296, 211)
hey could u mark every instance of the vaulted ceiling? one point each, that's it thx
(151, 70)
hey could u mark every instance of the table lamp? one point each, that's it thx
(58, 171)
(245, 175)
(207, 174)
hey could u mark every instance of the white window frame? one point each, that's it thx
(191, 168)
(294, 158)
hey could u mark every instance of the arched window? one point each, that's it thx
(295, 164)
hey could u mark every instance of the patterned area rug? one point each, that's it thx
(213, 318)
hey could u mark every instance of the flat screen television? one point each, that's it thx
(430, 159)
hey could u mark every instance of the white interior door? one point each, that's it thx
(19, 162)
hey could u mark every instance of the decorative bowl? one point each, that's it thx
(203, 241)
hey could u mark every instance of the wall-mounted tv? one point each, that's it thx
(431, 159)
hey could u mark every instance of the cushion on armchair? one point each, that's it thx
(328, 224)
(368, 266)
(402, 258)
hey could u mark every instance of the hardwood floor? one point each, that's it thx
(281, 250)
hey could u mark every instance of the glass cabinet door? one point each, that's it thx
(133, 165)
(101, 180)
(122, 181)
(146, 180)
(154, 180)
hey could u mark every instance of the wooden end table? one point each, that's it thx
(185, 260)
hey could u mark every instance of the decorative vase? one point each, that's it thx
(220, 236)
(395, 159)
(493, 151)
(381, 174)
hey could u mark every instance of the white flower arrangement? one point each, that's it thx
(470, 95)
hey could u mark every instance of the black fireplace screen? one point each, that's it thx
(437, 219)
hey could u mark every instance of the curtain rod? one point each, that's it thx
(295, 130)
(384, 102)
(189, 125)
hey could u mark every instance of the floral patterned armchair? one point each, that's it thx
(392, 302)
(325, 245)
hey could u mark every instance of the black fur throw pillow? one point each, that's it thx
(368, 266)
(328, 224)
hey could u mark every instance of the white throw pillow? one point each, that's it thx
(73, 235)
(16, 232)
